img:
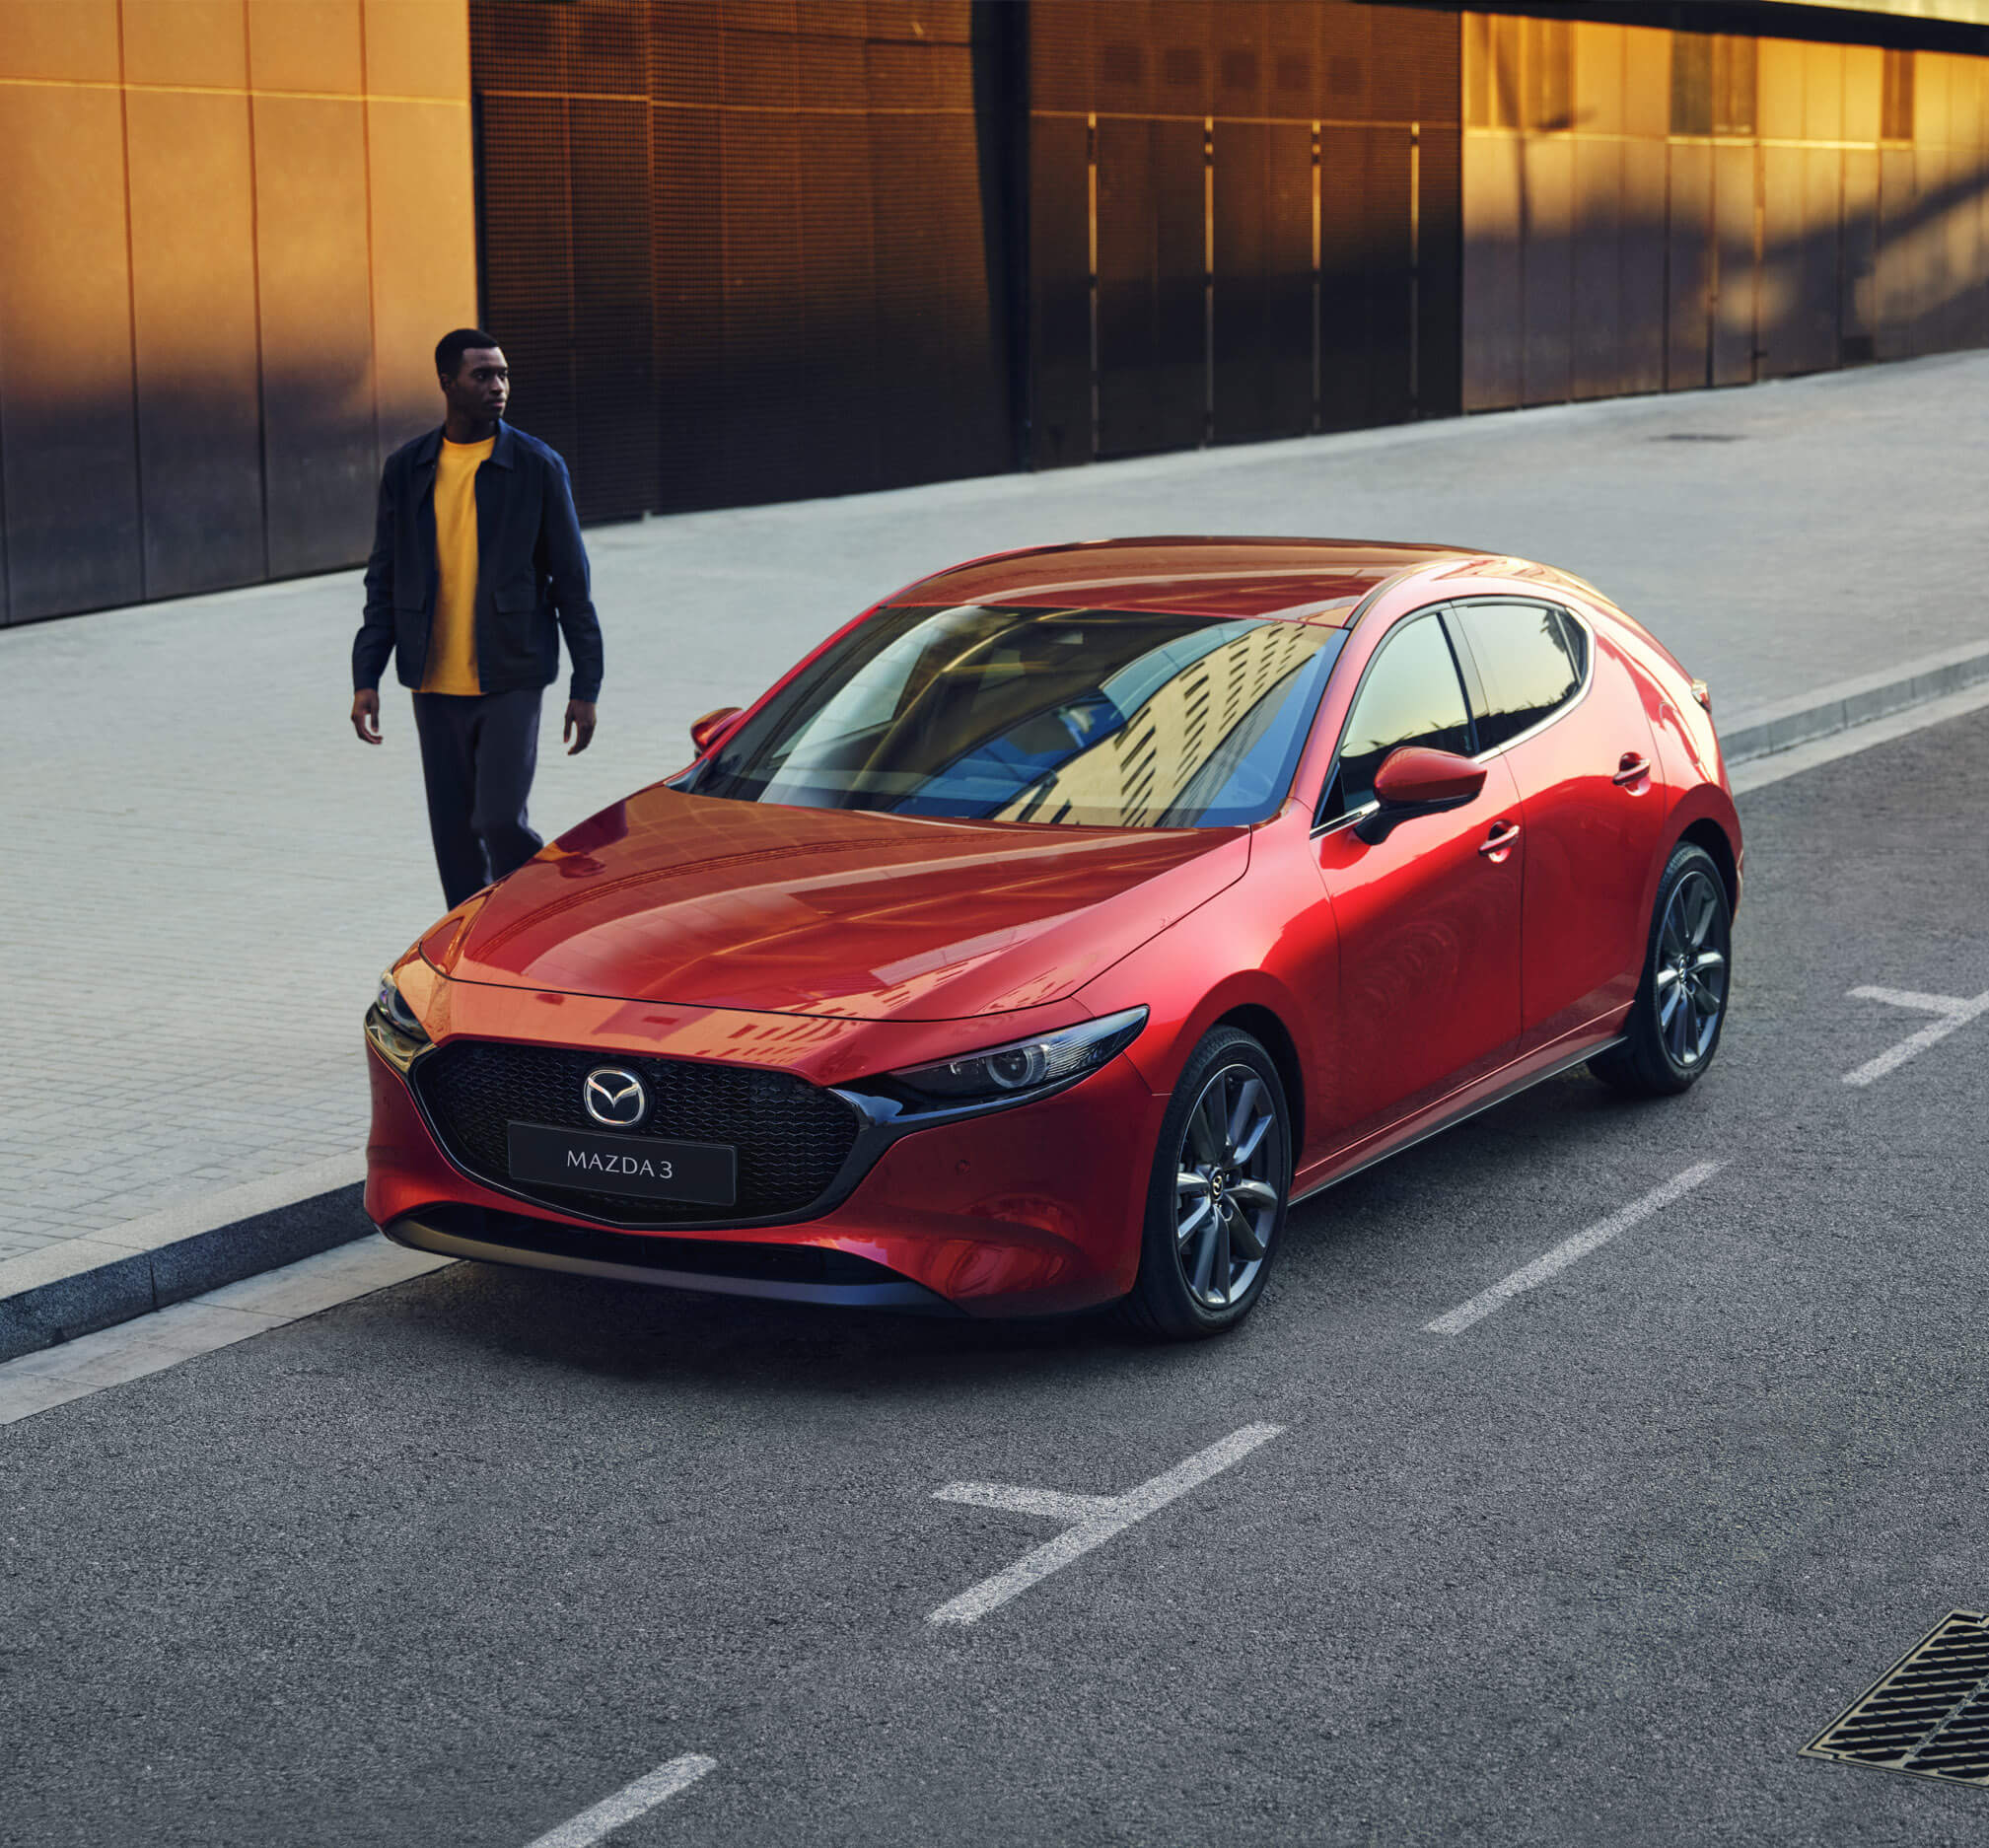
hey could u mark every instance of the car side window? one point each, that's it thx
(1530, 659)
(1411, 695)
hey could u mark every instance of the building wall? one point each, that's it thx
(1649, 210)
(745, 251)
(232, 232)
(1244, 221)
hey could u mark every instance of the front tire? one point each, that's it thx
(1221, 1187)
(1674, 1024)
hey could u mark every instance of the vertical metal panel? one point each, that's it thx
(615, 459)
(1240, 332)
(766, 293)
(1782, 231)
(1824, 93)
(194, 291)
(1815, 309)
(1595, 368)
(1060, 315)
(413, 47)
(1737, 299)
(1646, 184)
(69, 468)
(1262, 297)
(837, 383)
(423, 230)
(1493, 304)
(1900, 257)
(1389, 290)
(1690, 246)
(528, 258)
(688, 249)
(320, 459)
(1782, 66)
(1549, 181)
(1858, 290)
(1646, 82)
(1864, 68)
(1440, 268)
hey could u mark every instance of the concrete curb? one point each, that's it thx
(86, 1284)
(1756, 731)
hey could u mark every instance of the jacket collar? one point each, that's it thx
(505, 454)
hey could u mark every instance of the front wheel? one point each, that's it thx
(1221, 1184)
(1674, 1029)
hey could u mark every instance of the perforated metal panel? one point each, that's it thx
(743, 253)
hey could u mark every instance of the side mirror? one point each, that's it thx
(707, 731)
(1415, 781)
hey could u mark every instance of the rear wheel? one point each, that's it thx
(1221, 1184)
(1674, 1028)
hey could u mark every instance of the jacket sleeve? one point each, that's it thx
(373, 643)
(566, 565)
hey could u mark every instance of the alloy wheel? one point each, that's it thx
(1230, 1171)
(1689, 986)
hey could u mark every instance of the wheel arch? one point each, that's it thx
(1709, 834)
(1264, 1026)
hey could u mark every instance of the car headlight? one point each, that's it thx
(393, 1027)
(1023, 1066)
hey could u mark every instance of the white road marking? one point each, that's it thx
(73, 1370)
(1954, 1012)
(637, 1798)
(1094, 1518)
(1569, 1249)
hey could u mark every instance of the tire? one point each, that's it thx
(1674, 1024)
(1180, 1294)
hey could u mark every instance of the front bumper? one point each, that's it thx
(1032, 1210)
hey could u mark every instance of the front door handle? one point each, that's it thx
(1632, 768)
(1503, 835)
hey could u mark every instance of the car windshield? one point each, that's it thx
(1093, 718)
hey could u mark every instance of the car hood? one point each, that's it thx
(699, 902)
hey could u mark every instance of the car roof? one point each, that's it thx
(1298, 580)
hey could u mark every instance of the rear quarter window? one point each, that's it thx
(1530, 659)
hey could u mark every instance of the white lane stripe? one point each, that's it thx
(1955, 1014)
(637, 1798)
(1569, 1249)
(1098, 1519)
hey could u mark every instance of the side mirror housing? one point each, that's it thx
(707, 731)
(1413, 781)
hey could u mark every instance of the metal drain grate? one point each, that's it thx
(1696, 436)
(1927, 1714)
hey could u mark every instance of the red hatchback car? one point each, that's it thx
(1045, 934)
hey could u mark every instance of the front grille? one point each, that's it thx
(792, 1136)
(1929, 1714)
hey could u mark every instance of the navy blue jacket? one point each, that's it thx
(532, 578)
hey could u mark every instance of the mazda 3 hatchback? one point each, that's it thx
(1057, 923)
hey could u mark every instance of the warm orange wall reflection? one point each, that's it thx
(1647, 210)
(233, 230)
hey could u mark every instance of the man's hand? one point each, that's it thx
(579, 720)
(366, 715)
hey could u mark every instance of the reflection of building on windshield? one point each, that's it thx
(1195, 710)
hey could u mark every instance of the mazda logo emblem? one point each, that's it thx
(616, 1097)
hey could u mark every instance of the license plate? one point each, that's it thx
(644, 1167)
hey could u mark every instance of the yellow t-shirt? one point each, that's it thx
(452, 636)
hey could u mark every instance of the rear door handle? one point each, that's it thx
(1632, 768)
(1501, 836)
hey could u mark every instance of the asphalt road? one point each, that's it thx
(453, 1563)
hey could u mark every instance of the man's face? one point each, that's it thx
(481, 386)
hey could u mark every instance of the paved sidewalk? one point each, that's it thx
(207, 871)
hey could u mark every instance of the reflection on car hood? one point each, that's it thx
(712, 903)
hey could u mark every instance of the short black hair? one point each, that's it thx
(450, 349)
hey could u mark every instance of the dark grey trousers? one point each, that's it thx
(478, 752)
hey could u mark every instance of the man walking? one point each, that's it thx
(478, 568)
